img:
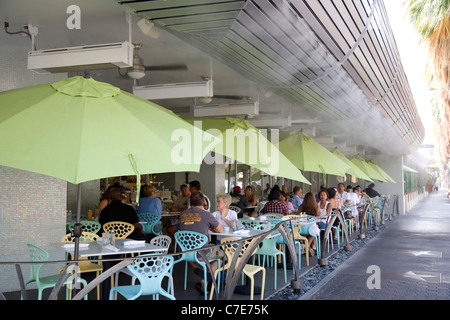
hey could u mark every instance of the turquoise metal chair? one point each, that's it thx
(82, 216)
(280, 240)
(152, 220)
(268, 248)
(40, 255)
(305, 230)
(190, 240)
(162, 241)
(87, 226)
(249, 223)
(150, 271)
(270, 215)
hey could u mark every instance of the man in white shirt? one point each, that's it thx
(353, 200)
(342, 195)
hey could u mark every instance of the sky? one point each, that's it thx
(414, 58)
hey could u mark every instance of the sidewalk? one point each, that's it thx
(412, 256)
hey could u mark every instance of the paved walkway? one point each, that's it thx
(411, 256)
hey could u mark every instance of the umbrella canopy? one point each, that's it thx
(79, 129)
(354, 170)
(367, 169)
(246, 144)
(308, 155)
(381, 171)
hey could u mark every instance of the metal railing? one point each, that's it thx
(233, 275)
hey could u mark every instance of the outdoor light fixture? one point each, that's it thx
(175, 90)
(137, 71)
(149, 28)
(271, 122)
(246, 109)
(81, 58)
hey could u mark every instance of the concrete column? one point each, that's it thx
(393, 165)
(212, 180)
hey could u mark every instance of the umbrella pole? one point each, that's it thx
(77, 227)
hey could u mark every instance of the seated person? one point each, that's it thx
(284, 198)
(310, 207)
(199, 220)
(181, 204)
(297, 197)
(119, 211)
(149, 202)
(194, 186)
(224, 214)
(182, 201)
(371, 192)
(250, 196)
(238, 200)
(275, 205)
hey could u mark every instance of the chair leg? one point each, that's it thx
(252, 287)
(263, 282)
(185, 273)
(284, 267)
(275, 272)
(97, 274)
(205, 282)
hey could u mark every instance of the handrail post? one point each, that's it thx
(296, 283)
(323, 261)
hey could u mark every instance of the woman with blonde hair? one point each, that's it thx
(224, 214)
(149, 203)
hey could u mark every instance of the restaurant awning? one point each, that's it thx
(246, 144)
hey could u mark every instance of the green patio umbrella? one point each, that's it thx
(354, 170)
(79, 129)
(381, 171)
(309, 155)
(367, 168)
(246, 144)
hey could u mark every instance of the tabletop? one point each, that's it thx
(170, 214)
(243, 233)
(122, 246)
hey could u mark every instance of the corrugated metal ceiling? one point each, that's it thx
(314, 52)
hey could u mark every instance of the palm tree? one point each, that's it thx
(431, 19)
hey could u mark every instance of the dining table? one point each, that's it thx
(170, 214)
(120, 248)
(244, 233)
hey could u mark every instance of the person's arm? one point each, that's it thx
(212, 221)
(138, 227)
(135, 220)
(158, 207)
(244, 201)
(254, 200)
(329, 207)
(224, 218)
(218, 229)
(102, 204)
